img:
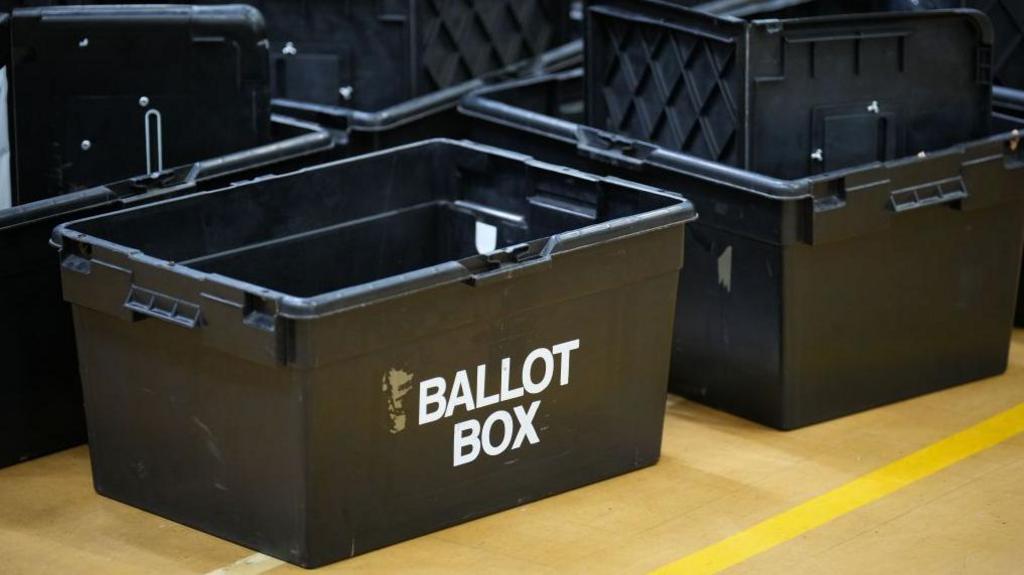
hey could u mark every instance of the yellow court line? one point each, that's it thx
(857, 493)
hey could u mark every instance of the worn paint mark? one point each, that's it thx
(397, 384)
(725, 269)
(140, 469)
(486, 238)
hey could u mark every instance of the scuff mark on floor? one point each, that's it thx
(251, 565)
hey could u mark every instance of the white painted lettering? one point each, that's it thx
(506, 432)
(432, 394)
(467, 434)
(506, 373)
(461, 394)
(482, 399)
(505, 429)
(526, 430)
(564, 349)
(529, 384)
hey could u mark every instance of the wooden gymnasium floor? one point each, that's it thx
(932, 485)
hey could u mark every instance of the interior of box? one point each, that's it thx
(352, 222)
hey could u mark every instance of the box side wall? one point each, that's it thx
(40, 391)
(922, 305)
(320, 47)
(194, 434)
(826, 96)
(727, 349)
(40, 395)
(380, 475)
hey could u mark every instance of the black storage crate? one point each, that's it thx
(429, 116)
(373, 54)
(40, 394)
(101, 93)
(263, 362)
(788, 97)
(100, 74)
(1008, 114)
(392, 72)
(1007, 18)
(808, 299)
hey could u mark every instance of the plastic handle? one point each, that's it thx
(614, 150)
(513, 260)
(614, 157)
(149, 303)
(929, 195)
(505, 271)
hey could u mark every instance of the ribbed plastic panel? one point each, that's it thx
(464, 39)
(788, 97)
(677, 88)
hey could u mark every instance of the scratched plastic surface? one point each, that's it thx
(368, 350)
